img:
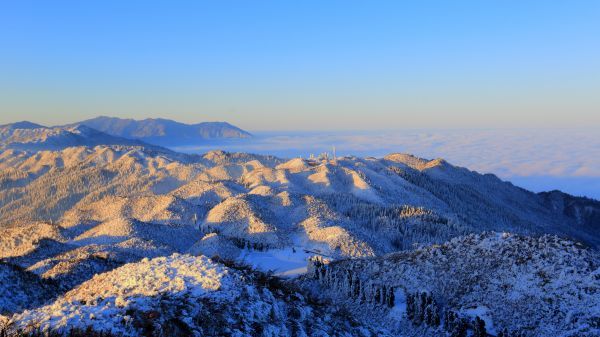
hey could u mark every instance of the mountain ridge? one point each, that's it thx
(163, 131)
(34, 137)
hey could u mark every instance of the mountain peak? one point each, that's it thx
(23, 125)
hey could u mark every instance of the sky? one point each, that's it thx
(304, 65)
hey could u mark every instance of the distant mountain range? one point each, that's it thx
(34, 137)
(114, 131)
(164, 131)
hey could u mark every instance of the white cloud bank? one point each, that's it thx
(537, 159)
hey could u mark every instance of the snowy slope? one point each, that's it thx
(540, 286)
(145, 200)
(181, 295)
(33, 137)
(20, 289)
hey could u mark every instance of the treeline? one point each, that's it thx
(349, 283)
(421, 307)
(469, 204)
(402, 225)
(241, 243)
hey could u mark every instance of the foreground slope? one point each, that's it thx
(21, 290)
(536, 286)
(502, 284)
(181, 295)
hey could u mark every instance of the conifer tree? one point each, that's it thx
(479, 328)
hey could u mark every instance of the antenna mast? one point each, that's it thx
(334, 156)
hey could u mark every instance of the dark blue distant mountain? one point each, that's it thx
(21, 125)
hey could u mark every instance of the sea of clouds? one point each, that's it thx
(536, 159)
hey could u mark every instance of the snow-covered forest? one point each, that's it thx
(129, 239)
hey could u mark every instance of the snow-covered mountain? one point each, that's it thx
(182, 295)
(121, 212)
(355, 206)
(164, 131)
(33, 137)
(543, 286)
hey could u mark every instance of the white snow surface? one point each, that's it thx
(186, 296)
(282, 262)
(102, 302)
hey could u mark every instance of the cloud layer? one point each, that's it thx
(537, 159)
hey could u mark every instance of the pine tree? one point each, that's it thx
(460, 328)
(479, 328)
(428, 315)
(391, 298)
(449, 320)
(410, 307)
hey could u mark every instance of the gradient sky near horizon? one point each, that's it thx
(283, 65)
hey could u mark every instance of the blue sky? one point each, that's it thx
(304, 65)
